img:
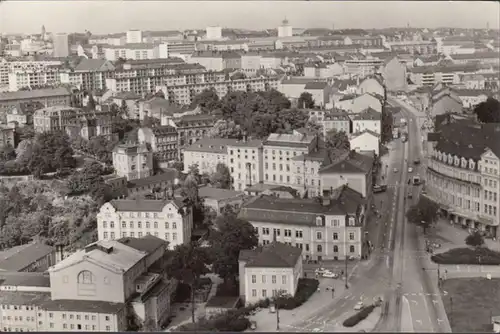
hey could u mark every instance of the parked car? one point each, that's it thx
(395, 170)
(358, 306)
(410, 169)
(410, 195)
(378, 188)
(320, 271)
(253, 325)
(329, 274)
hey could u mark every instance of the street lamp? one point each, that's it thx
(279, 294)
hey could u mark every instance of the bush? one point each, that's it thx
(306, 288)
(484, 256)
(13, 168)
(231, 321)
(227, 289)
(358, 317)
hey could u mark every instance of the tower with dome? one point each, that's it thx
(285, 29)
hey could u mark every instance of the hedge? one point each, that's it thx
(306, 288)
(358, 317)
(231, 321)
(479, 255)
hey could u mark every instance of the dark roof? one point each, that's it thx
(143, 205)
(211, 145)
(227, 302)
(19, 257)
(163, 130)
(468, 140)
(316, 85)
(274, 255)
(147, 244)
(169, 175)
(344, 200)
(89, 306)
(34, 94)
(24, 298)
(368, 114)
(343, 84)
(354, 163)
(34, 279)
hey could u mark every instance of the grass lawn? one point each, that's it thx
(468, 255)
(470, 303)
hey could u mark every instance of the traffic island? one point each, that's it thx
(471, 303)
(468, 256)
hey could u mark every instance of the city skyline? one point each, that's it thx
(78, 16)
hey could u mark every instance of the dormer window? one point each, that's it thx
(456, 161)
(319, 221)
(464, 163)
(351, 221)
(472, 164)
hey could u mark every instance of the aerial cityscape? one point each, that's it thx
(250, 166)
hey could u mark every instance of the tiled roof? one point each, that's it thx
(19, 257)
(300, 211)
(169, 174)
(34, 279)
(217, 193)
(354, 163)
(126, 96)
(369, 114)
(355, 135)
(468, 140)
(476, 55)
(163, 130)
(89, 306)
(34, 94)
(274, 255)
(141, 205)
(147, 244)
(316, 85)
(91, 65)
(211, 145)
(252, 143)
(23, 298)
(344, 84)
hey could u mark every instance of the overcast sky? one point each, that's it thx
(100, 16)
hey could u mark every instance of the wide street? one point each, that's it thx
(374, 279)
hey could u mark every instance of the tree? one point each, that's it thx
(225, 129)
(51, 152)
(102, 148)
(190, 191)
(221, 178)
(336, 144)
(187, 263)
(306, 100)
(488, 111)
(475, 240)
(150, 122)
(7, 153)
(24, 151)
(424, 213)
(91, 104)
(229, 237)
(387, 122)
(207, 100)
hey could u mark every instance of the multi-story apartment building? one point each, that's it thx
(23, 65)
(279, 149)
(326, 230)
(414, 46)
(111, 39)
(167, 220)
(49, 76)
(190, 127)
(489, 57)
(267, 270)
(89, 75)
(463, 173)
(363, 66)
(31, 257)
(132, 51)
(74, 121)
(184, 93)
(163, 141)
(206, 154)
(48, 97)
(98, 288)
(133, 161)
(369, 119)
(450, 74)
(61, 45)
(245, 162)
(338, 121)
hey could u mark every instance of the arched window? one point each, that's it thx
(85, 277)
(352, 249)
(335, 249)
(86, 283)
(319, 248)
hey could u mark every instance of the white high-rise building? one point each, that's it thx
(214, 33)
(285, 29)
(61, 45)
(134, 36)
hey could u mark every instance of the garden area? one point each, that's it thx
(470, 303)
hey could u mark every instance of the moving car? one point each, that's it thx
(253, 325)
(358, 306)
(378, 188)
(316, 330)
(410, 195)
(410, 169)
(320, 271)
(416, 161)
(395, 170)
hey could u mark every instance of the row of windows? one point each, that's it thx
(264, 293)
(319, 248)
(273, 279)
(139, 225)
(139, 235)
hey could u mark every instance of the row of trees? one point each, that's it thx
(488, 111)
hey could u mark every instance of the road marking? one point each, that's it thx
(414, 302)
(418, 322)
(435, 302)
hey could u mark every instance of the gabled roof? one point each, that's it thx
(367, 131)
(142, 205)
(19, 257)
(354, 163)
(147, 244)
(344, 84)
(274, 255)
(88, 65)
(369, 114)
(316, 85)
(211, 145)
(34, 94)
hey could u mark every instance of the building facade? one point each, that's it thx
(133, 160)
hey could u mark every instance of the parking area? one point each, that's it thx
(337, 267)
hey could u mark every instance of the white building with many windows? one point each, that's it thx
(268, 271)
(326, 230)
(167, 220)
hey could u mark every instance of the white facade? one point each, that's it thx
(213, 33)
(134, 36)
(138, 218)
(285, 30)
(360, 125)
(365, 142)
(61, 45)
(132, 51)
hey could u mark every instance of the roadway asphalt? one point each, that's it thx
(418, 302)
(374, 279)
